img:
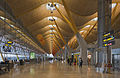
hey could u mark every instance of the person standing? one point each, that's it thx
(74, 61)
(71, 61)
(68, 61)
(80, 62)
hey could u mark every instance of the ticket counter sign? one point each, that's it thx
(32, 55)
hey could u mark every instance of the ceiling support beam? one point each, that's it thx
(56, 44)
(75, 41)
(81, 41)
(57, 41)
(61, 36)
(90, 29)
(73, 27)
(113, 13)
(12, 18)
(71, 44)
(59, 32)
(114, 10)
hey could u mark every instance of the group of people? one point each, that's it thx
(73, 61)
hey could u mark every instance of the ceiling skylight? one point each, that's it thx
(51, 18)
(113, 5)
(51, 26)
(51, 7)
(82, 31)
(52, 31)
(12, 26)
(51, 34)
(3, 18)
(95, 19)
(87, 26)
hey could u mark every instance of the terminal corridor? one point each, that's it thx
(81, 37)
(56, 70)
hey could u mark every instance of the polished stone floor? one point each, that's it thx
(56, 70)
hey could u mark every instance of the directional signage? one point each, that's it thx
(7, 46)
(108, 39)
(9, 42)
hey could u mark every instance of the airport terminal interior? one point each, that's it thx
(59, 38)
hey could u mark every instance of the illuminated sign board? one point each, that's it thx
(32, 55)
(108, 39)
(9, 42)
(109, 43)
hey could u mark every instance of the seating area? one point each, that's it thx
(4, 68)
(7, 66)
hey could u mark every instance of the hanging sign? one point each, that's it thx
(9, 42)
(108, 39)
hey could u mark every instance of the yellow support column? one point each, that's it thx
(59, 32)
(61, 36)
(17, 57)
(2, 57)
(90, 29)
(56, 42)
(81, 41)
(25, 56)
(56, 45)
(70, 17)
(70, 24)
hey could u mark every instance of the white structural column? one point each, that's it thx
(93, 57)
(83, 47)
(81, 41)
(66, 53)
(69, 51)
(108, 10)
(101, 25)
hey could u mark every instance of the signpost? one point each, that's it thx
(108, 41)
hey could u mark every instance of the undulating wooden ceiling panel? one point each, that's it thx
(34, 15)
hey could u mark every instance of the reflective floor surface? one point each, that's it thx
(56, 70)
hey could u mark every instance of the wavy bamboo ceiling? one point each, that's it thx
(34, 15)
